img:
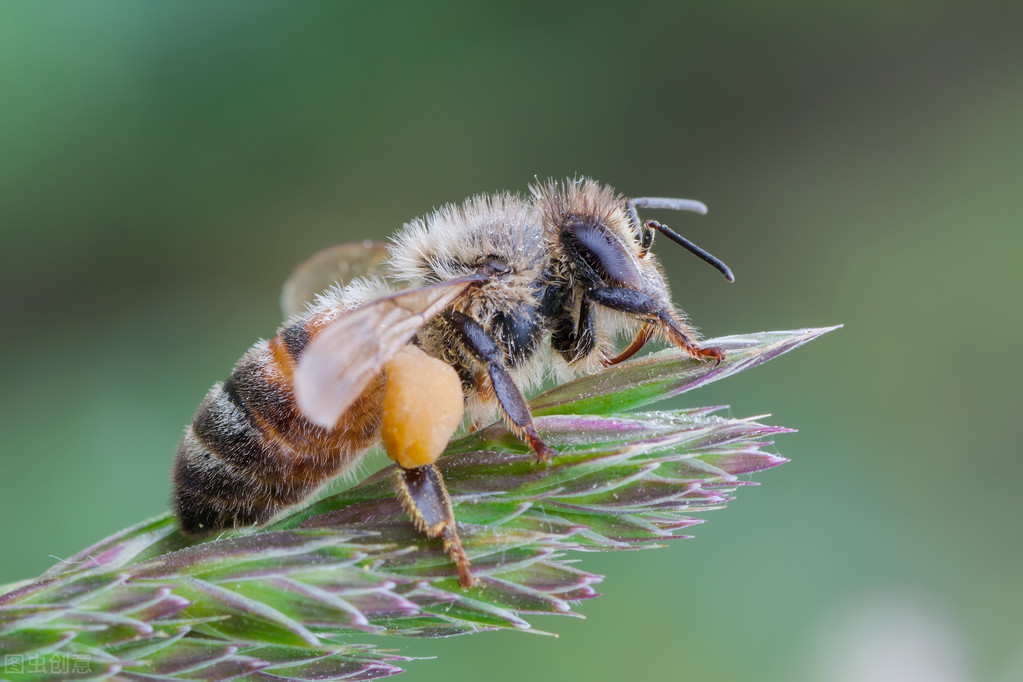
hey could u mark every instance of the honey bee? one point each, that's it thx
(469, 305)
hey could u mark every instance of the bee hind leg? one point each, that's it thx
(478, 343)
(425, 498)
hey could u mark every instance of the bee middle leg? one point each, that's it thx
(654, 311)
(575, 337)
(478, 343)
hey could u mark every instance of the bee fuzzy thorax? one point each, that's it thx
(456, 239)
(502, 232)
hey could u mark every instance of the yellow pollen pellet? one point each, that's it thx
(423, 406)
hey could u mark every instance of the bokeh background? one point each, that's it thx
(163, 166)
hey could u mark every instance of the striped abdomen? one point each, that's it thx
(249, 452)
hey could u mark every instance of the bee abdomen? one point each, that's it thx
(211, 495)
(295, 337)
(250, 453)
(228, 472)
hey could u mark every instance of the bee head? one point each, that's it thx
(588, 226)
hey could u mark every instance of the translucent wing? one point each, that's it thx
(341, 360)
(340, 263)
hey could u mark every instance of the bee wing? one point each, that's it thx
(342, 359)
(334, 264)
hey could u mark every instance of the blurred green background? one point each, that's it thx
(163, 166)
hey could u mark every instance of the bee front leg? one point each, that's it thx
(478, 343)
(655, 311)
(425, 498)
(637, 344)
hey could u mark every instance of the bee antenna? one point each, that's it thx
(677, 205)
(692, 248)
(691, 205)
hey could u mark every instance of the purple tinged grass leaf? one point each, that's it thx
(243, 619)
(330, 668)
(36, 641)
(667, 373)
(159, 535)
(287, 601)
(188, 656)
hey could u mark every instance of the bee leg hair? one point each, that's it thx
(424, 497)
(475, 341)
(646, 306)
